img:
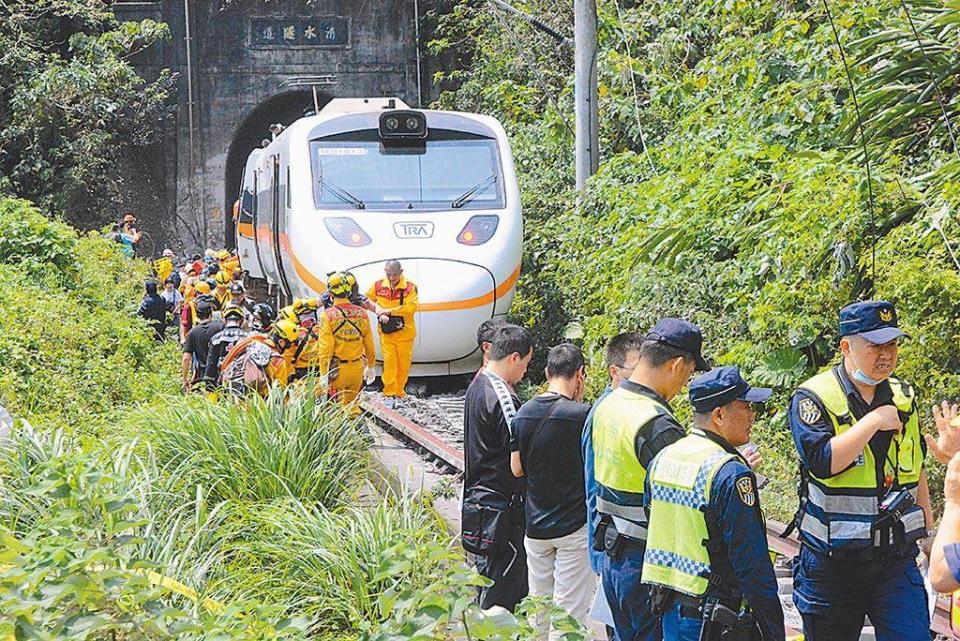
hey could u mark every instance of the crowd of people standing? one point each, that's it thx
(622, 514)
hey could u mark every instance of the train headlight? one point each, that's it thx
(478, 230)
(403, 123)
(346, 232)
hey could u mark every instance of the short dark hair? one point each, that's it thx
(488, 330)
(204, 310)
(564, 361)
(619, 346)
(510, 339)
(656, 353)
(151, 285)
(171, 280)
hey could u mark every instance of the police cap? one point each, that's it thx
(723, 385)
(682, 335)
(874, 320)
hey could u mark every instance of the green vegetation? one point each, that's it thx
(72, 350)
(732, 189)
(75, 119)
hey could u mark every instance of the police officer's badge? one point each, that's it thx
(809, 412)
(745, 491)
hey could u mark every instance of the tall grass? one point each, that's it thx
(334, 565)
(285, 446)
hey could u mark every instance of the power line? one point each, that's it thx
(547, 29)
(863, 141)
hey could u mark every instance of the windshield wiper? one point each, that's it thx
(343, 194)
(474, 191)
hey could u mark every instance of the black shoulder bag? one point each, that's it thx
(393, 323)
(487, 515)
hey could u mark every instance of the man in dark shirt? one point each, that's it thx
(546, 450)
(197, 346)
(489, 409)
(222, 342)
(154, 308)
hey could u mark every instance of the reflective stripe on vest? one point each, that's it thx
(840, 511)
(681, 478)
(620, 476)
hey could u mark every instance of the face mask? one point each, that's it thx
(861, 377)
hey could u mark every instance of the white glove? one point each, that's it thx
(324, 380)
(369, 376)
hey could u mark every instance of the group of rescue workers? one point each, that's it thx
(673, 522)
(234, 345)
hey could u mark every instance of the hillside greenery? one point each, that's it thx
(733, 188)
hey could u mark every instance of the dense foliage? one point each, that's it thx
(75, 119)
(71, 348)
(733, 188)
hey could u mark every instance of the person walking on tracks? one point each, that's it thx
(346, 355)
(492, 512)
(864, 500)
(630, 426)
(546, 452)
(396, 302)
(706, 550)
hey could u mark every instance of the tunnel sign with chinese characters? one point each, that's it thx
(300, 32)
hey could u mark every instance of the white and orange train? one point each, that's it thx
(369, 180)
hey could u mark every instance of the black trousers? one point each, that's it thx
(507, 568)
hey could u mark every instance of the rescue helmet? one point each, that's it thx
(236, 288)
(233, 312)
(222, 278)
(202, 287)
(263, 316)
(168, 253)
(287, 330)
(212, 283)
(223, 254)
(304, 305)
(338, 284)
(287, 313)
(354, 286)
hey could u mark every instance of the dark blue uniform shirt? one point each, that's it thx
(736, 515)
(590, 483)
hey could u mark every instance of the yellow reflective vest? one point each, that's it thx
(617, 422)
(681, 479)
(837, 514)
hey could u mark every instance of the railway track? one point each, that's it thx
(446, 449)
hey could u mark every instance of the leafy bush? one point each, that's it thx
(287, 446)
(334, 565)
(76, 571)
(72, 349)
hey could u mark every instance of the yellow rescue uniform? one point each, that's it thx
(163, 267)
(344, 331)
(396, 347)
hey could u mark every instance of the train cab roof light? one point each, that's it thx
(347, 232)
(403, 124)
(478, 230)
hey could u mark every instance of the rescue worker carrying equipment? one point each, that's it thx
(346, 355)
(706, 550)
(396, 303)
(864, 499)
(257, 361)
(222, 290)
(163, 266)
(222, 342)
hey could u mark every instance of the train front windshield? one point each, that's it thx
(450, 170)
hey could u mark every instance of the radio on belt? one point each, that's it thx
(403, 124)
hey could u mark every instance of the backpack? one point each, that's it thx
(245, 366)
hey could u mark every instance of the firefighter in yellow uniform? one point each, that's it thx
(396, 302)
(222, 290)
(345, 334)
(303, 353)
(164, 265)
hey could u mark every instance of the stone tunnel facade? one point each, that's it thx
(242, 65)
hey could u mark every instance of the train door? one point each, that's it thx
(279, 236)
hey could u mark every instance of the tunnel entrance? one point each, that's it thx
(282, 108)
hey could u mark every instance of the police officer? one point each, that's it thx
(630, 426)
(706, 543)
(864, 501)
